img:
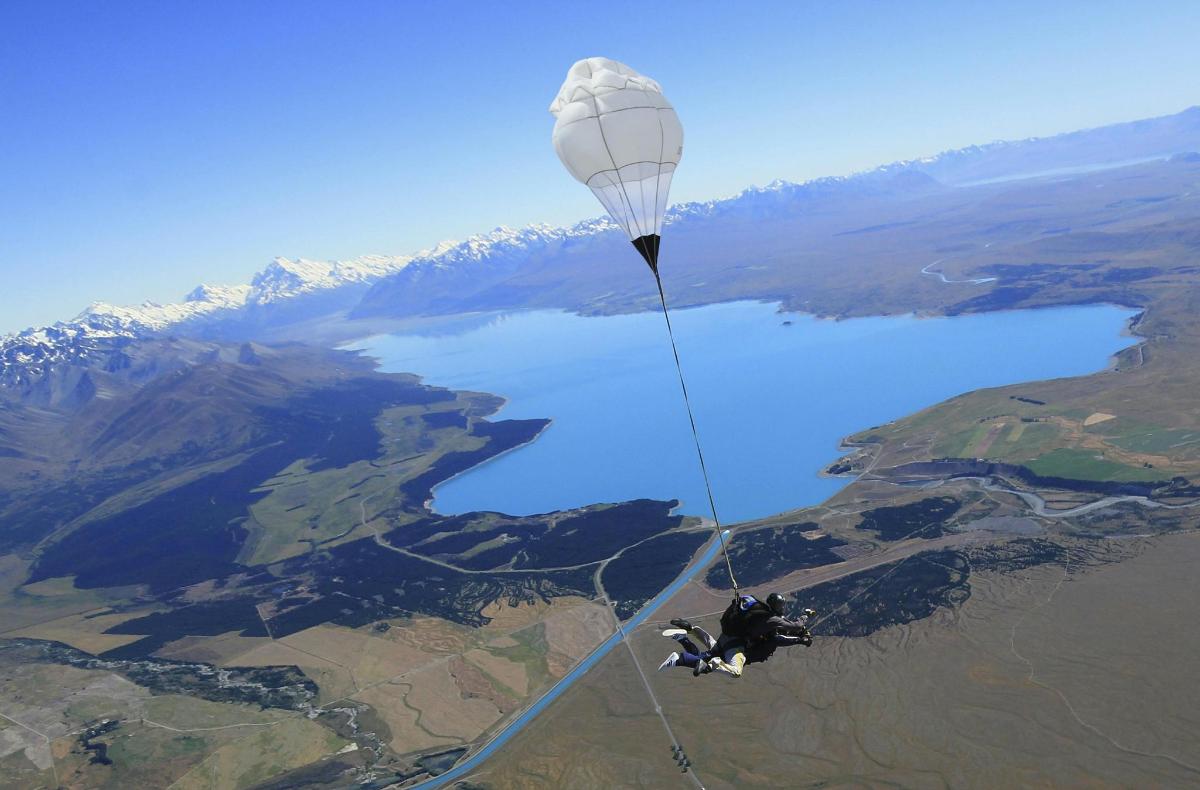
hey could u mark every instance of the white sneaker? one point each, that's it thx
(671, 661)
(674, 633)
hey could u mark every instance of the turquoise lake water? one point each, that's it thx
(772, 401)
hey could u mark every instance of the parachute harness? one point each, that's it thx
(695, 434)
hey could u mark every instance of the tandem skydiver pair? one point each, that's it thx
(751, 631)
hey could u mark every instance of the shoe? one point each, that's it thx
(671, 661)
(675, 633)
(703, 668)
(681, 623)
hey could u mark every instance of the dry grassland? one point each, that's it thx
(1044, 677)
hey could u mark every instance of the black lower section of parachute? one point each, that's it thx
(648, 246)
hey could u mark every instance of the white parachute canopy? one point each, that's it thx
(618, 134)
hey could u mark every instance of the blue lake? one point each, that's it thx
(772, 401)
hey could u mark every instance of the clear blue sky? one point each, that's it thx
(146, 147)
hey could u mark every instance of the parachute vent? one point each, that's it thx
(648, 247)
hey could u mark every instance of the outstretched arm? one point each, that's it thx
(784, 627)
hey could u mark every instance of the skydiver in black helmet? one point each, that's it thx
(751, 631)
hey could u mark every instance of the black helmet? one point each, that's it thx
(777, 603)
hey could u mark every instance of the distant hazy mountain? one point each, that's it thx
(485, 280)
(1119, 142)
(543, 266)
(508, 269)
(438, 282)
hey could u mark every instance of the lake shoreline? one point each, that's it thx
(526, 394)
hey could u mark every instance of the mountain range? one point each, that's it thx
(536, 265)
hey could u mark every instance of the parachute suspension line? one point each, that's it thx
(620, 180)
(658, 709)
(695, 435)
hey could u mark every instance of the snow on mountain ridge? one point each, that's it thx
(506, 240)
(100, 324)
(283, 278)
(28, 355)
(223, 295)
(286, 278)
(150, 317)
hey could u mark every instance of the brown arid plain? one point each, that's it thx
(1054, 676)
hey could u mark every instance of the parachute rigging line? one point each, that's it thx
(695, 434)
(658, 709)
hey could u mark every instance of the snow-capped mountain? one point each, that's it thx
(480, 259)
(29, 355)
(480, 272)
(280, 280)
(101, 329)
(491, 256)
(285, 279)
(289, 290)
(500, 244)
(150, 317)
(97, 335)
